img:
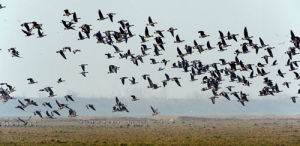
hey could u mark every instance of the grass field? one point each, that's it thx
(245, 130)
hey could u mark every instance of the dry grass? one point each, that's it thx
(147, 131)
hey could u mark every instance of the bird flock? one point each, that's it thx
(210, 75)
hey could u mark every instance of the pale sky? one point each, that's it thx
(270, 19)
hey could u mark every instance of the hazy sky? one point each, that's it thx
(270, 19)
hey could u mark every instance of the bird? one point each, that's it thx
(88, 106)
(61, 52)
(41, 34)
(69, 97)
(60, 80)
(101, 17)
(150, 22)
(31, 81)
(294, 99)
(178, 40)
(47, 104)
(110, 15)
(123, 79)
(202, 34)
(25, 122)
(171, 30)
(134, 98)
(67, 13)
(83, 73)
(83, 66)
(37, 112)
(154, 111)
(28, 33)
(213, 99)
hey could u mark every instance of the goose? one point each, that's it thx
(110, 15)
(61, 52)
(75, 18)
(164, 61)
(213, 99)
(113, 69)
(132, 80)
(176, 79)
(231, 36)
(67, 13)
(143, 39)
(101, 17)
(164, 83)
(38, 113)
(134, 98)
(47, 104)
(145, 76)
(123, 79)
(1, 6)
(69, 97)
(262, 44)
(76, 50)
(153, 61)
(83, 73)
(159, 32)
(294, 99)
(171, 30)
(117, 49)
(279, 73)
(72, 113)
(287, 84)
(20, 107)
(180, 54)
(221, 35)
(51, 94)
(225, 95)
(109, 55)
(26, 25)
(88, 106)
(230, 88)
(246, 36)
(25, 122)
(31, 81)
(36, 25)
(297, 76)
(160, 69)
(60, 80)
(154, 111)
(41, 34)
(147, 35)
(178, 40)
(83, 66)
(202, 34)
(60, 105)
(274, 63)
(208, 46)
(48, 115)
(81, 37)
(28, 33)
(193, 77)
(67, 25)
(55, 112)
(150, 22)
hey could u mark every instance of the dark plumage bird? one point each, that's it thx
(101, 17)
(61, 52)
(134, 98)
(150, 22)
(154, 111)
(294, 99)
(88, 106)
(69, 97)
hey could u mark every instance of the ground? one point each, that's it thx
(209, 130)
